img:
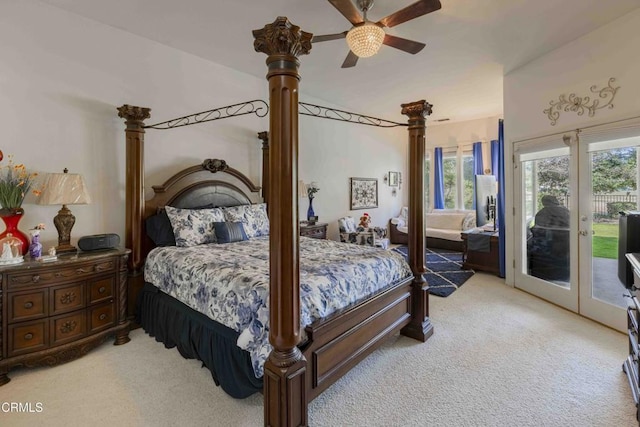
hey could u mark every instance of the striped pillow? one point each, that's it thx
(229, 232)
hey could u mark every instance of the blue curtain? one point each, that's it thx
(478, 167)
(438, 184)
(500, 213)
(494, 159)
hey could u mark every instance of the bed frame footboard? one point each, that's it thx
(339, 343)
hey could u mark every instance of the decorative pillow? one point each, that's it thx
(159, 229)
(469, 221)
(229, 232)
(347, 224)
(253, 217)
(445, 222)
(193, 227)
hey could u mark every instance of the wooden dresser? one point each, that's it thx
(481, 260)
(56, 311)
(317, 230)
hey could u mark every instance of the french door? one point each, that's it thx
(568, 191)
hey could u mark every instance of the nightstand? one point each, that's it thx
(56, 311)
(316, 231)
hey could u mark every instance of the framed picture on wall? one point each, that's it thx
(364, 193)
(393, 179)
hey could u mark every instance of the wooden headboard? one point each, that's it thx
(194, 187)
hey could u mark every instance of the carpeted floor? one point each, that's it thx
(498, 357)
(444, 270)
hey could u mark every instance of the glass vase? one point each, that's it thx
(35, 248)
(11, 218)
(310, 213)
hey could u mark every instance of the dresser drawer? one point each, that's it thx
(48, 277)
(28, 337)
(67, 298)
(101, 289)
(28, 305)
(101, 317)
(68, 327)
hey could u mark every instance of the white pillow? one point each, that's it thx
(445, 221)
(193, 227)
(347, 224)
(253, 217)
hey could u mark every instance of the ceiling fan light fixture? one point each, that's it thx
(365, 40)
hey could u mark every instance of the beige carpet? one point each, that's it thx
(499, 357)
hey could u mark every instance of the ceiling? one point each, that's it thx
(471, 44)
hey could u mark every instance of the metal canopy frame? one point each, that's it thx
(260, 108)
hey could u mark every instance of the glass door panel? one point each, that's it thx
(608, 181)
(544, 217)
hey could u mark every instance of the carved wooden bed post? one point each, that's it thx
(264, 136)
(285, 402)
(134, 234)
(420, 327)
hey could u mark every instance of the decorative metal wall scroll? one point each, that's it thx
(579, 104)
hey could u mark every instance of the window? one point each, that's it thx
(468, 180)
(450, 169)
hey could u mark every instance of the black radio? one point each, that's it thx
(99, 241)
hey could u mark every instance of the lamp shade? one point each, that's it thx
(64, 189)
(365, 40)
(302, 189)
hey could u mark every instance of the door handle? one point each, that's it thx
(583, 232)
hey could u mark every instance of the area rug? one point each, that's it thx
(444, 270)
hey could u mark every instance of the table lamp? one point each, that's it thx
(64, 189)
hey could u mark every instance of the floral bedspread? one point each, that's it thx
(230, 282)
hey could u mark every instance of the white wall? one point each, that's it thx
(331, 153)
(610, 51)
(462, 133)
(62, 78)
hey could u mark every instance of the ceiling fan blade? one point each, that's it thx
(410, 12)
(350, 60)
(348, 10)
(328, 37)
(405, 45)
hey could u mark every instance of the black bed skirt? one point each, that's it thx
(196, 336)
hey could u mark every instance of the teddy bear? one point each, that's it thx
(365, 221)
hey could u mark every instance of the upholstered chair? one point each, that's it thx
(371, 236)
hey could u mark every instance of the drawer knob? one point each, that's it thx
(102, 289)
(102, 316)
(28, 336)
(28, 305)
(35, 278)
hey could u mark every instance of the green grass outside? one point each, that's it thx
(605, 240)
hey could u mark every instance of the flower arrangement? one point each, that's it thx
(312, 189)
(15, 184)
(37, 229)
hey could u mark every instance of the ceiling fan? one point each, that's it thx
(365, 37)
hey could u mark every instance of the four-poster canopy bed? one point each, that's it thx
(302, 362)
